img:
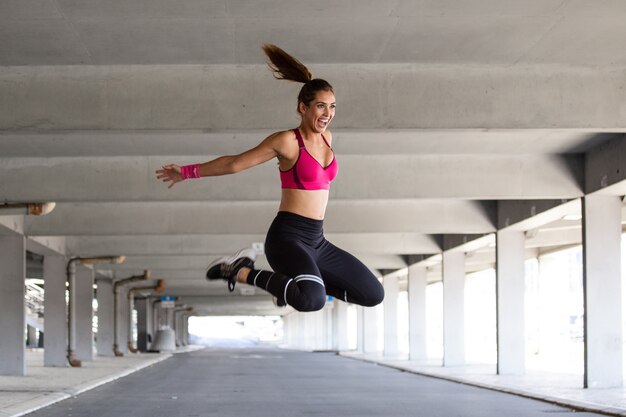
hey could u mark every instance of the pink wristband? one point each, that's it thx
(190, 171)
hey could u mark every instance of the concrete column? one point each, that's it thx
(185, 329)
(417, 312)
(308, 338)
(83, 318)
(360, 330)
(55, 311)
(12, 318)
(318, 332)
(370, 329)
(340, 325)
(105, 317)
(510, 302)
(150, 324)
(390, 308)
(31, 336)
(300, 331)
(453, 308)
(602, 228)
(176, 327)
(144, 323)
(122, 319)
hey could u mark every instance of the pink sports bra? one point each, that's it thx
(307, 173)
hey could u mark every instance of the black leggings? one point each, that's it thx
(307, 267)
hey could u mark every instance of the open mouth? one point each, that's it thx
(322, 123)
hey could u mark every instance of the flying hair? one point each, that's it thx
(284, 66)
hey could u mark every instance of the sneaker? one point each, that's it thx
(228, 267)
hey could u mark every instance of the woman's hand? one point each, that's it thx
(170, 172)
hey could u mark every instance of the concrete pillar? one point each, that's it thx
(602, 228)
(417, 312)
(144, 324)
(318, 329)
(12, 318)
(122, 315)
(185, 329)
(176, 327)
(510, 302)
(83, 318)
(340, 325)
(55, 311)
(453, 308)
(105, 317)
(300, 331)
(370, 329)
(390, 308)
(31, 336)
(360, 330)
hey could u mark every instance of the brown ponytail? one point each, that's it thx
(286, 67)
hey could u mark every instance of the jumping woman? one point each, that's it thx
(306, 266)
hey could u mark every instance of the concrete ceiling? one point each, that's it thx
(445, 109)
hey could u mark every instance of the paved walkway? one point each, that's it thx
(44, 386)
(266, 382)
(564, 389)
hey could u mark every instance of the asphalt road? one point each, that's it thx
(274, 383)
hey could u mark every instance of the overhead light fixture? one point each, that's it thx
(30, 209)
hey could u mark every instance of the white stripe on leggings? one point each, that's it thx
(285, 294)
(255, 277)
(313, 278)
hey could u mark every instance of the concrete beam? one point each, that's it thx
(195, 265)
(343, 216)
(244, 97)
(224, 306)
(533, 214)
(46, 245)
(11, 225)
(481, 177)
(216, 244)
(184, 143)
(605, 168)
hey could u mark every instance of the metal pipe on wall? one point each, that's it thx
(71, 275)
(116, 285)
(158, 288)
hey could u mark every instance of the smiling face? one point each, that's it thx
(317, 115)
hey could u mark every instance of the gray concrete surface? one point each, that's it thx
(270, 382)
(42, 386)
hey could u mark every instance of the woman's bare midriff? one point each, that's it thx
(307, 203)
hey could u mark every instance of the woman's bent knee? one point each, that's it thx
(373, 298)
(307, 304)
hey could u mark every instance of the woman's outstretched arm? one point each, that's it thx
(269, 148)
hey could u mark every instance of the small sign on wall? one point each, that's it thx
(167, 301)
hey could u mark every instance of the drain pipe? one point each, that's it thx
(116, 285)
(71, 274)
(158, 288)
(30, 209)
